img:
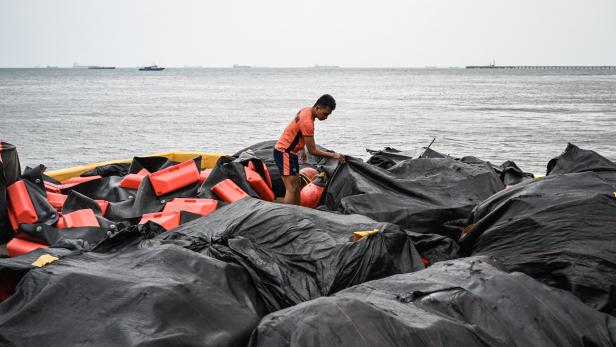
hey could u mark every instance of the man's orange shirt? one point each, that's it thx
(292, 138)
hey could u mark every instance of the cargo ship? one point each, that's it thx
(151, 68)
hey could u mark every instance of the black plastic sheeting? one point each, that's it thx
(422, 195)
(508, 171)
(295, 254)
(466, 302)
(560, 229)
(120, 169)
(575, 159)
(159, 296)
(387, 157)
(211, 280)
(10, 170)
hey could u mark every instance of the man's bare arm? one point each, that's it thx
(312, 149)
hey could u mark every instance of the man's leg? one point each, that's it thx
(291, 184)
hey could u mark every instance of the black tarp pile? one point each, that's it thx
(465, 302)
(158, 296)
(423, 195)
(560, 229)
(295, 254)
(206, 283)
(540, 269)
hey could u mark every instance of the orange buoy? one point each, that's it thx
(52, 188)
(258, 184)
(17, 247)
(198, 206)
(167, 220)
(228, 191)
(310, 195)
(174, 177)
(20, 207)
(56, 200)
(308, 174)
(77, 180)
(81, 218)
(268, 179)
(132, 181)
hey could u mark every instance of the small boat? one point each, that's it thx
(151, 68)
(101, 67)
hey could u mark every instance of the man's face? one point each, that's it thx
(322, 112)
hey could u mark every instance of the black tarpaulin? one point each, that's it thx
(108, 170)
(465, 302)
(422, 195)
(10, 170)
(159, 296)
(559, 229)
(387, 157)
(295, 254)
(575, 159)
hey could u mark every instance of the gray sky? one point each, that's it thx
(387, 33)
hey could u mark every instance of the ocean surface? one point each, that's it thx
(68, 117)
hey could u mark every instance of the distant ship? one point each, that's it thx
(237, 66)
(317, 66)
(151, 68)
(101, 67)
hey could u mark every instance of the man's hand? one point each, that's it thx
(339, 157)
(303, 156)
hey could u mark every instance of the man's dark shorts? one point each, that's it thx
(288, 163)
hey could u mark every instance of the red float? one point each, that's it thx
(197, 206)
(174, 177)
(132, 181)
(258, 184)
(17, 247)
(81, 218)
(21, 209)
(167, 220)
(228, 191)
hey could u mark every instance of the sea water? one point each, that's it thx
(68, 117)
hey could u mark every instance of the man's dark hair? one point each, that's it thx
(326, 100)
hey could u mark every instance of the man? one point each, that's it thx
(300, 133)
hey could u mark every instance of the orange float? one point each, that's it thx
(228, 191)
(81, 218)
(197, 206)
(132, 181)
(258, 184)
(17, 247)
(174, 177)
(20, 207)
(167, 220)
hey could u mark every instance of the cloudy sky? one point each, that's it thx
(287, 33)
